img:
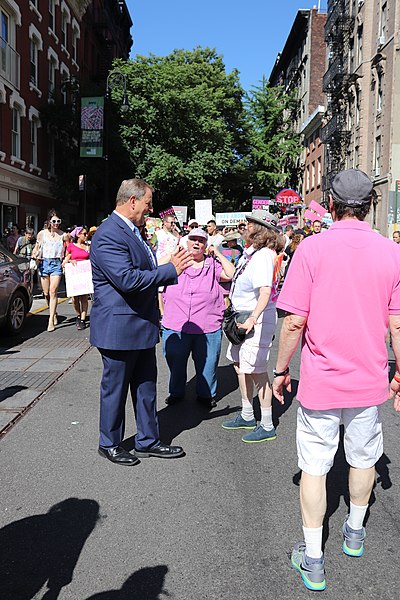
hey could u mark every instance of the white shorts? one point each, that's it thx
(318, 437)
(252, 355)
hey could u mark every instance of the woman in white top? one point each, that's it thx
(254, 289)
(49, 251)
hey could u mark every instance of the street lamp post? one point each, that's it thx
(115, 79)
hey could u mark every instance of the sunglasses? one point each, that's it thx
(194, 226)
(55, 221)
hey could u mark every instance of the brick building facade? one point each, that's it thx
(300, 67)
(50, 50)
(362, 84)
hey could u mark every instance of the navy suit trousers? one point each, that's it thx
(137, 370)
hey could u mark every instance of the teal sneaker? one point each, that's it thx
(353, 540)
(312, 570)
(259, 435)
(239, 423)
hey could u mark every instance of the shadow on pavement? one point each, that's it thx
(9, 392)
(44, 549)
(34, 326)
(145, 584)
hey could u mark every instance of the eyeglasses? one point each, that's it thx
(55, 221)
(193, 226)
(82, 233)
(242, 227)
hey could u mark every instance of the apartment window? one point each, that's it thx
(356, 157)
(52, 78)
(378, 155)
(358, 107)
(75, 36)
(34, 54)
(52, 15)
(383, 22)
(34, 149)
(319, 171)
(313, 174)
(379, 95)
(308, 178)
(4, 39)
(351, 55)
(64, 21)
(16, 133)
(359, 45)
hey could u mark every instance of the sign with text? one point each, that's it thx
(288, 196)
(231, 219)
(260, 202)
(167, 211)
(92, 124)
(203, 211)
(181, 214)
(320, 210)
(78, 278)
(289, 220)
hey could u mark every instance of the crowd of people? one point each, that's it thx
(339, 290)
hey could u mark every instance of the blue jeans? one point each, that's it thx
(205, 349)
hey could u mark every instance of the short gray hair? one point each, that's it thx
(132, 187)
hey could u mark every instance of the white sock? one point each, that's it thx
(247, 410)
(313, 540)
(356, 517)
(266, 419)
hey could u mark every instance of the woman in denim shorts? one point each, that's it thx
(49, 251)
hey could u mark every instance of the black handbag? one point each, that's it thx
(229, 325)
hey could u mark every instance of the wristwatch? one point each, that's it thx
(276, 374)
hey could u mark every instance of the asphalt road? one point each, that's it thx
(216, 524)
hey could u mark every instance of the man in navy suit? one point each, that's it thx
(125, 323)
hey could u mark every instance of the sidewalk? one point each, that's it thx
(31, 362)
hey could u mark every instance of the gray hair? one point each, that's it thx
(132, 187)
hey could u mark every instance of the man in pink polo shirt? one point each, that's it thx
(341, 294)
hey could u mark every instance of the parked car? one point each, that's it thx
(16, 283)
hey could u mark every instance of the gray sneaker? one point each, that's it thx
(312, 570)
(353, 540)
(239, 423)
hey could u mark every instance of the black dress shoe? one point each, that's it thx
(207, 402)
(173, 399)
(161, 451)
(119, 455)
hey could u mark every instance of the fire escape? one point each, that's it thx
(335, 134)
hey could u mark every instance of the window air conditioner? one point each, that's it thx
(381, 40)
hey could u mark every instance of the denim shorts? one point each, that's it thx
(50, 266)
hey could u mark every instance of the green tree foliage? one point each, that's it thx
(275, 146)
(186, 129)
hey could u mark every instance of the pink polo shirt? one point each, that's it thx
(347, 283)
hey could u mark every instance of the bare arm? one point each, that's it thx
(291, 332)
(394, 325)
(228, 269)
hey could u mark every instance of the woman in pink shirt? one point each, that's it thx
(192, 320)
(76, 251)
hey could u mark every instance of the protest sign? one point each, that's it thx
(78, 278)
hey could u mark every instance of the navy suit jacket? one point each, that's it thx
(124, 315)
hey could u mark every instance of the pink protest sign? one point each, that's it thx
(320, 210)
(78, 278)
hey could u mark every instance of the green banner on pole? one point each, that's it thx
(92, 126)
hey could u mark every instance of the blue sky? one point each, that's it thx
(249, 34)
